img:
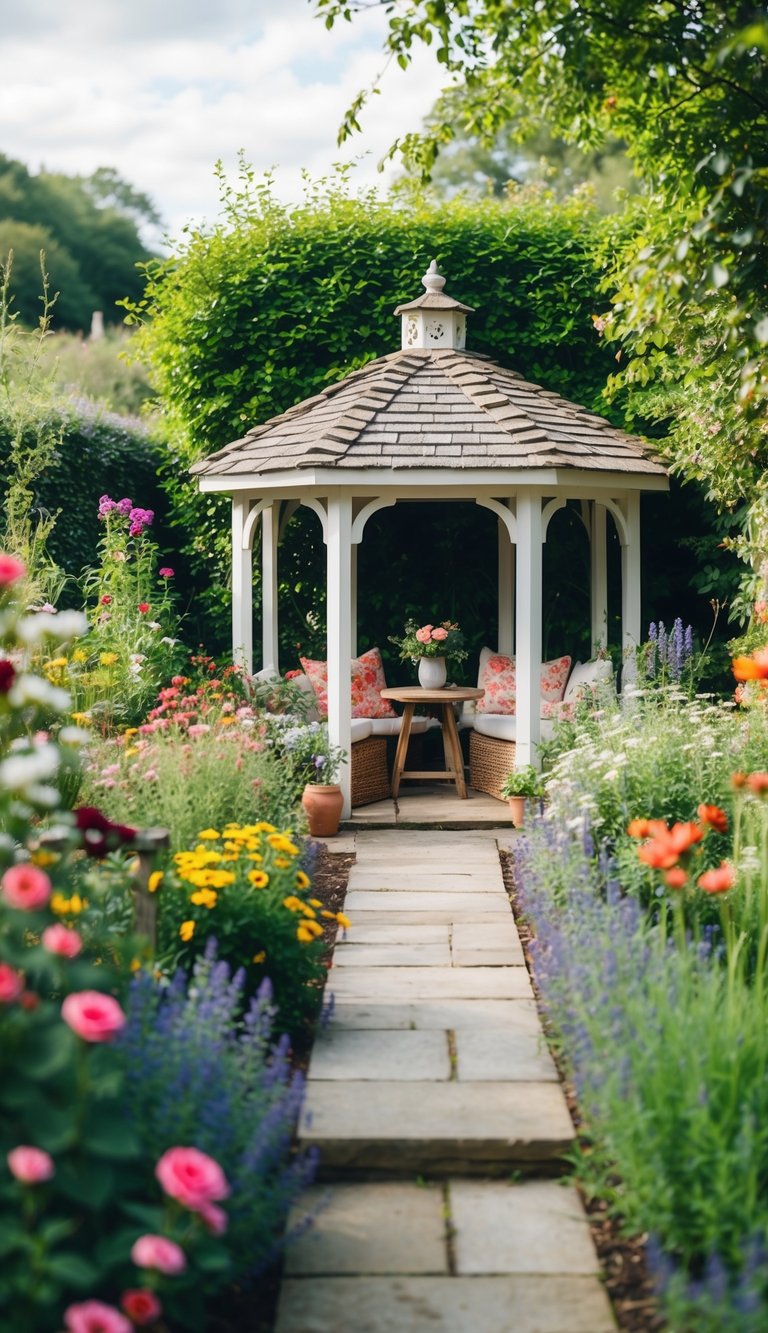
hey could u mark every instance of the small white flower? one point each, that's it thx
(74, 736)
(27, 689)
(154, 624)
(171, 642)
(70, 625)
(46, 797)
(33, 629)
(18, 771)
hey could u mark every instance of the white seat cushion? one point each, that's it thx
(362, 727)
(391, 726)
(502, 727)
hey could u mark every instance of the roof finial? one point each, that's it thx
(433, 279)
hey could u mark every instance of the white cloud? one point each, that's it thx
(162, 91)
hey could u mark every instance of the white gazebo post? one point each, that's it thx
(506, 567)
(270, 533)
(339, 620)
(242, 587)
(630, 578)
(530, 532)
(598, 559)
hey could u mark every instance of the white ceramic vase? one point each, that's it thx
(433, 673)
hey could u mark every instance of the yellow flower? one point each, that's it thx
(308, 930)
(130, 731)
(315, 902)
(259, 957)
(343, 920)
(261, 827)
(293, 903)
(57, 662)
(205, 898)
(280, 843)
(155, 880)
(44, 858)
(187, 930)
(108, 659)
(258, 878)
(219, 879)
(79, 655)
(81, 718)
(132, 749)
(135, 964)
(63, 906)
(134, 866)
(227, 719)
(330, 916)
(302, 881)
(308, 911)
(210, 834)
(282, 862)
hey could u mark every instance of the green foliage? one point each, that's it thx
(275, 302)
(523, 782)
(89, 230)
(686, 87)
(87, 451)
(100, 370)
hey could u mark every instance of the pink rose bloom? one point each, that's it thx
(160, 1253)
(30, 1165)
(141, 1306)
(439, 634)
(11, 570)
(165, 572)
(26, 887)
(424, 634)
(191, 1177)
(11, 984)
(95, 1317)
(63, 941)
(92, 1015)
(215, 1218)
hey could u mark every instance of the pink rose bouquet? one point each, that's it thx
(443, 640)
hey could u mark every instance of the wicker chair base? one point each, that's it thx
(370, 779)
(490, 759)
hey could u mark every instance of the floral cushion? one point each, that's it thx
(498, 677)
(367, 680)
(557, 710)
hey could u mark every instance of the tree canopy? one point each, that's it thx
(684, 83)
(90, 229)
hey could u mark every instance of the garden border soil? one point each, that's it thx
(622, 1258)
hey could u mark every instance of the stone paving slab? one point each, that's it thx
(385, 931)
(449, 905)
(483, 935)
(515, 1304)
(381, 1055)
(355, 954)
(500, 983)
(402, 880)
(478, 854)
(437, 915)
(503, 1054)
(387, 1227)
(512, 956)
(435, 1128)
(531, 1226)
(448, 1015)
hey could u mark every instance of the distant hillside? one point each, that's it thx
(90, 229)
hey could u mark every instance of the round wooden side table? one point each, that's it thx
(410, 696)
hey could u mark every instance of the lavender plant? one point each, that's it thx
(201, 1071)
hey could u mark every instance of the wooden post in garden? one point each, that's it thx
(147, 844)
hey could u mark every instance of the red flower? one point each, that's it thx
(718, 881)
(7, 675)
(141, 1305)
(676, 878)
(668, 844)
(100, 835)
(106, 599)
(143, 607)
(757, 783)
(714, 817)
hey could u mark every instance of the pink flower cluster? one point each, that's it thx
(140, 519)
(11, 570)
(26, 887)
(11, 984)
(429, 632)
(107, 506)
(92, 1015)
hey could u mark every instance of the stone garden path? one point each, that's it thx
(439, 1117)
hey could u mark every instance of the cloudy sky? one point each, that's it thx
(161, 89)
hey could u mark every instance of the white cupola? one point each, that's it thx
(434, 320)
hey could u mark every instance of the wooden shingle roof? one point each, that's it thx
(433, 408)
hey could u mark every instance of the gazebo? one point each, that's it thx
(433, 421)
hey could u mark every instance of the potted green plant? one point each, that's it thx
(520, 785)
(431, 646)
(307, 747)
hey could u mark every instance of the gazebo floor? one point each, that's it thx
(431, 805)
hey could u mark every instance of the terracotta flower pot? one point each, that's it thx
(323, 808)
(517, 810)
